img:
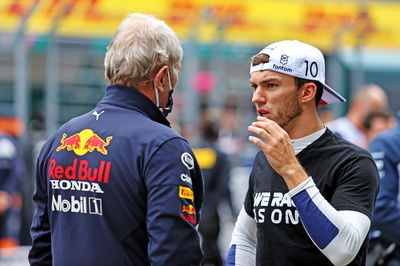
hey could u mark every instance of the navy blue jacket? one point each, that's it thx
(385, 149)
(117, 186)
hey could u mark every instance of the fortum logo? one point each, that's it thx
(85, 205)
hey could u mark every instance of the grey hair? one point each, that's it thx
(141, 44)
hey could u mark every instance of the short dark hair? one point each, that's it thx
(367, 123)
(259, 59)
(320, 89)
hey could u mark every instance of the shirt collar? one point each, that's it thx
(301, 143)
(130, 98)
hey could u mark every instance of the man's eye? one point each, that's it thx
(271, 85)
(254, 87)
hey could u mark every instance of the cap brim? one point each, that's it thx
(330, 96)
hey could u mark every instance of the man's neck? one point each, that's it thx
(304, 125)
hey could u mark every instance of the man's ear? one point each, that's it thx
(161, 79)
(308, 92)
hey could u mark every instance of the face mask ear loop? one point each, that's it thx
(156, 91)
(169, 80)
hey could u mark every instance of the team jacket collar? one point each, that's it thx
(130, 98)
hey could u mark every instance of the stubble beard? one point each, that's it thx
(289, 111)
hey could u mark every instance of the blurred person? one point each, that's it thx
(11, 171)
(228, 139)
(376, 122)
(215, 167)
(109, 183)
(368, 98)
(385, 232)
(311, 194)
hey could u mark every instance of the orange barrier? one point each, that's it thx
(11, 125)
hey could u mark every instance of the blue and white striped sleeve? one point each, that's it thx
(242, 251)
(337, 234)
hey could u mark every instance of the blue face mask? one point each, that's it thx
(167, 109)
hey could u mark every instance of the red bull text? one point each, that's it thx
(80, 170)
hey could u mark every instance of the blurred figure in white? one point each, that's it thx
(369, 97)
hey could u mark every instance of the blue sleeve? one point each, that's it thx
(40, 253)
(386, 153)
(175, 190)
(230, 258)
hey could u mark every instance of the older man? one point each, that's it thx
(117, 186)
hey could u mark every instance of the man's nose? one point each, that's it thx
(258, 96)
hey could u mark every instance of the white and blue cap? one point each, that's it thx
(299, 60)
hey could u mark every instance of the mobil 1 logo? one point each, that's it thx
(77, 204)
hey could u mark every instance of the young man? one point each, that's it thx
(311, 193)
(118, 186)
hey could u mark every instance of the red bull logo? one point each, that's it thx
(70, 143)
(83, 142)
(190, 209)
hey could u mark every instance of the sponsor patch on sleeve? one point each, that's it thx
(186, 178)
(191, 218)
(189, 209)
(187, 160)
(186, 193)
(188, 213)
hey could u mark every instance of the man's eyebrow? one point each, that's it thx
(266, 80)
